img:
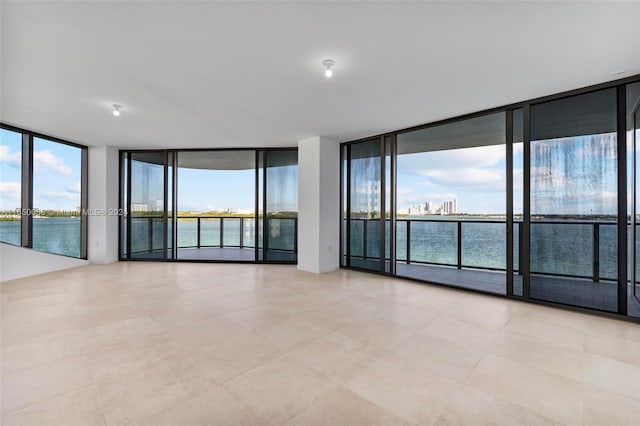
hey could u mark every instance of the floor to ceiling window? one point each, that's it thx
(148, 233)
(43, 193)
(523, 201)
(281, 190)
(574, 201)
(515, 184)
(633, 172)
(451, 203)
(56, 197)
(10, 186)
(209, 204)
(216, 203)
(365, 205)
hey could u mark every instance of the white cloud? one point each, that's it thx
(476, 177)
(469, 177)
(518, 179)
(518, 148)
(445, 161)
(47, 160)
(75, 188)
(409, 197)
(404, 191)
(12, 158)
(10, 191)
(61, 195)
(441, 196)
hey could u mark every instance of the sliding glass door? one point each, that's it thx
(451, 204)
(211, 203)
(281, 195)
(633, 164)
(147, 230)
(538, 200)
(365, 225)
(216, 205)
(574, 201)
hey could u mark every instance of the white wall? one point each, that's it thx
(318, 204)
(18, 262)
(102, 244)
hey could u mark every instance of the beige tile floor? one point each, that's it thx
(162, 344)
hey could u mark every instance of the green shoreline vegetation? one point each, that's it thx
(186, 216)
(14, 215)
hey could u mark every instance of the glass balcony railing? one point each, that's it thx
(565, 248)
(147, 233)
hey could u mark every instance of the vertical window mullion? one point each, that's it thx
(26, 217)
(383, 206)
(128, 202)
(526, 211)
(84, 202)
(509, 222)
(622, 198)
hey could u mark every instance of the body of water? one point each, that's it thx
(281, 233)
(560, 248)
(563, 248)
(58, 235)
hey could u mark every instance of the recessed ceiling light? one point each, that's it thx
(116, 109)
(328, 63)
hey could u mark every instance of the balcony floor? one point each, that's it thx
(492, 282)
(569, 291)
(220, 254)
(217, 253)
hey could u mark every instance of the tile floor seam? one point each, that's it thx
(543, 373)
(488, 395)
(85, 353)
(49, 398)
(296, 413)
(614, 338)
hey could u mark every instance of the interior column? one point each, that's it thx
(318, 204)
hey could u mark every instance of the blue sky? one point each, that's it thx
(474, 176)
(205, 190)
(56, 173)
(569, 176)
(574, 175)
(57, 181)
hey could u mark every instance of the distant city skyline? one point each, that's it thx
(474, 177)
(569, 176)
(430, 208)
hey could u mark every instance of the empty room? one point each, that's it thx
(319, 213)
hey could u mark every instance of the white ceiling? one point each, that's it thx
(216, 74)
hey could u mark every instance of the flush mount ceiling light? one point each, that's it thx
(116, 109)
(328, 63)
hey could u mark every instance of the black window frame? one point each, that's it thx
(124, 161)
(620, 86)
(26, 203)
